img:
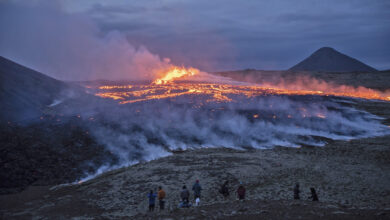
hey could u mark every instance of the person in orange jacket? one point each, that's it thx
(161, 197)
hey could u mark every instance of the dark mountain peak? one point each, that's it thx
(328, 59)
(328, 52)
(326, 49)
(25, 92)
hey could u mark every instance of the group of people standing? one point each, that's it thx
(197, 188)
(225, 190)
(185, 195)
(152, 199)
(297, 191)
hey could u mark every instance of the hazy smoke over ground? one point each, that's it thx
(149, 130)
(70, 46)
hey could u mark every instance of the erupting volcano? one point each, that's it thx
(190, 81)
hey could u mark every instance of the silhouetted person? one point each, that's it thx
(225, 189)
(152, 200)
(296, 191)
(197, 189)
(161, 196)
(185, 195)
(313, 194)
(241, 192)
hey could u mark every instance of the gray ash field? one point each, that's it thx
(351, 178)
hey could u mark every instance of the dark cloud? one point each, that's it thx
(98, 9)
(256, 34)
(231, 34)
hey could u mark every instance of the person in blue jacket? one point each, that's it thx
(152, 200)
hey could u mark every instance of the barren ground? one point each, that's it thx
(352, 179)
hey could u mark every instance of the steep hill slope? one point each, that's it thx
(24, 93)
(44, 139)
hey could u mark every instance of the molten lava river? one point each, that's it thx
(186, 108)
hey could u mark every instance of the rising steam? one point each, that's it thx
(147, 130)
(70, 46)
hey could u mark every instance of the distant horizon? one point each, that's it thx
(243, 68)
(146, 80)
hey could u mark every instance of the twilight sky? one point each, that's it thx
(219, 34)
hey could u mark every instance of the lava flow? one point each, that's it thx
(176, 73)
(181, 81)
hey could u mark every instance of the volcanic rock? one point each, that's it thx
(47, 154)
(327, 59)
(121, 194)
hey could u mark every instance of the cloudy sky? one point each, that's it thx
(234, 34)
(250, 34)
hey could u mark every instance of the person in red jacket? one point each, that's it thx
(241, 192)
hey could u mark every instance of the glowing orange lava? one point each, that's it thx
(215, 92)
(171, 85)
(176, 73)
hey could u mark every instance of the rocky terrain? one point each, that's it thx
(351, 178)
(47, 153)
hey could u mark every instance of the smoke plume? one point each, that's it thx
(148, 130)
(70, 46)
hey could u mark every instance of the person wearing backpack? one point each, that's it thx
(185, 196)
